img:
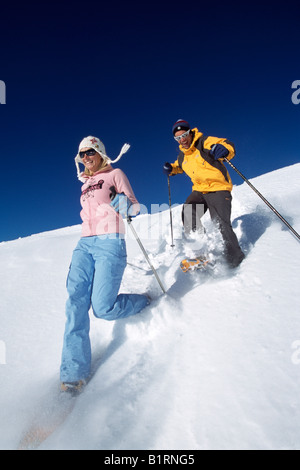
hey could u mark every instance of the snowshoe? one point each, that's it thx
(193, 264)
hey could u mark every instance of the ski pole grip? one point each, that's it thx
(113, 193)
(112, 197)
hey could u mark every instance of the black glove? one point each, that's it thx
(219, 151)
(167, 168)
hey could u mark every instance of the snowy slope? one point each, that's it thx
(214, 364)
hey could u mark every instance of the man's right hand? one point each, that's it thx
(167, 168)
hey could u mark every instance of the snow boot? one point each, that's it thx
(73, 387)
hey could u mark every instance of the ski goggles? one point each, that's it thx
(88, 153)
(182, 136)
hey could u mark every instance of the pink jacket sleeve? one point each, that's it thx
(122, 185)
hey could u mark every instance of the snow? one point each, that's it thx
(214, 364)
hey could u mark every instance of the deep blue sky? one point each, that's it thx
(126, 72)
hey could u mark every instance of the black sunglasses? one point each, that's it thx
(88, 153)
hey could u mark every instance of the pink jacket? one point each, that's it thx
(98, 217)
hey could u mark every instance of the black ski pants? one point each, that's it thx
(219, 205)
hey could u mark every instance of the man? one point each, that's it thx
(201, 158)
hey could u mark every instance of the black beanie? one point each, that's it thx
(180, 125)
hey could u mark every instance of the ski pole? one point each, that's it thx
(264, 199)
(129, 220)
(171, 221)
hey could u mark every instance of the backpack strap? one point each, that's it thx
(205, 154)
(180, 159)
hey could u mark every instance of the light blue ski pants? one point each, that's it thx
(94, 279)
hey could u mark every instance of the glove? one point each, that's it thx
(167, 168)
(219, 151)
(121, 204)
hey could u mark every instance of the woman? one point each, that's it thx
(99, 259)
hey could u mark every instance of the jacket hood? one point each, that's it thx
(85, 177)
(197, 135)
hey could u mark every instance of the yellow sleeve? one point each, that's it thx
(176, 169)
(210, 141)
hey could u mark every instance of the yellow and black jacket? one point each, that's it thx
(206, 173)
